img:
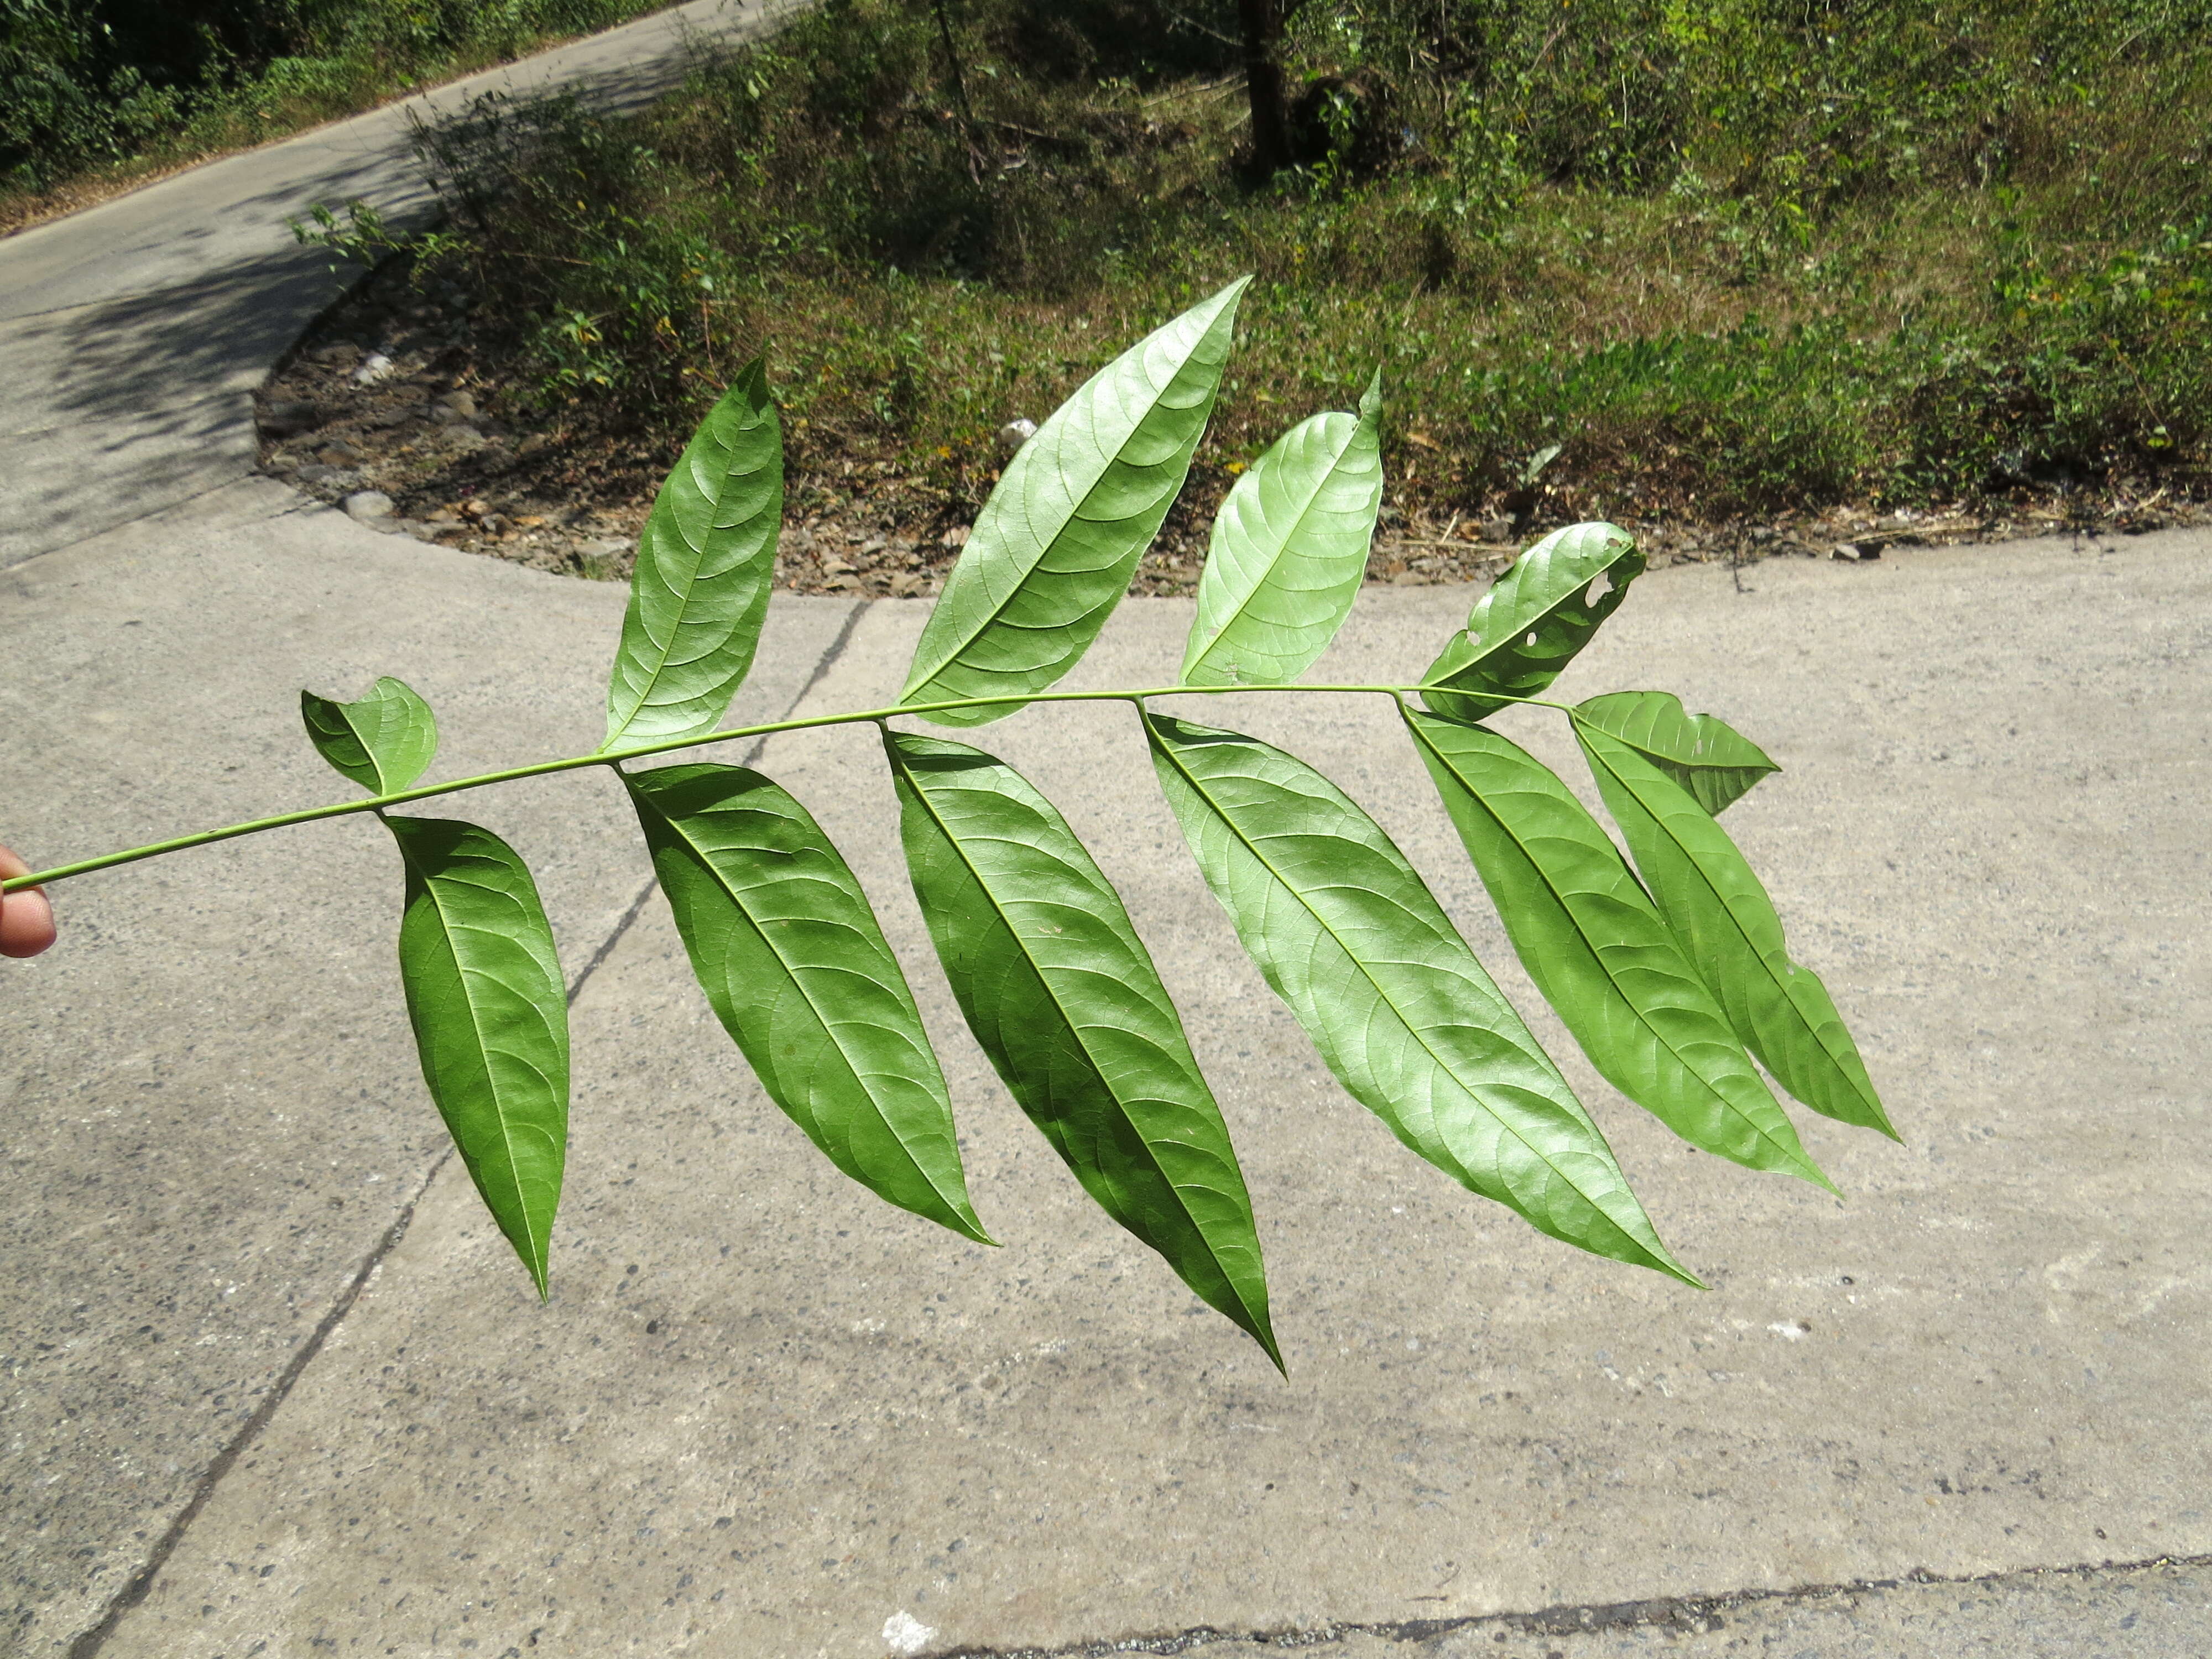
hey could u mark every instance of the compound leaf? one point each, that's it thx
(1351, 939)
(1721, 914)
(1289, 548)
(1052, 553)
(383, 742)
(795, 967)
(705, 565)
(1598, 951)
(1531, 621)
(1706, 755)
(491, 1019)
(1064, 998)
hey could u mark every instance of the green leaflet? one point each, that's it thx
(1532, 621)
(1702, 752)
(792, 961)
(1052, 553)
(491, 1019)
(1064, 998)
(1726, 923)
(1348, 936)
(1290, 546)
(1598, 951)
(704, 568)
(383, 743)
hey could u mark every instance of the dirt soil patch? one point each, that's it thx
(390, 409)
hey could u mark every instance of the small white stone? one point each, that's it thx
(375, 367)
(904, 1633)
(367, 504)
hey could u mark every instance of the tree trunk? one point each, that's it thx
(1263, 21)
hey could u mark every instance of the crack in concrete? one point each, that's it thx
(151, 513)
(1688, 1615)
(89, 1642)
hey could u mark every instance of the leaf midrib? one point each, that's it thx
(1354, 957)
(1728, 910)
(1282, 547)
(952, 841)
(384, 785)
(663, 649)
(1597, 956)
(447, 927)
(813, 1006)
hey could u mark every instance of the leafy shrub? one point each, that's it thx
(1738, 258)
(1671, 976)
(2099, 372)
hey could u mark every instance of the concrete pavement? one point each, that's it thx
(764, 1415)
(188, 1198)
(274, 1387)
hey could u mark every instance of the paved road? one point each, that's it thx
(273, 1388)
(134, 333)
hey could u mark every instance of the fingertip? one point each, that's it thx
(27, 923)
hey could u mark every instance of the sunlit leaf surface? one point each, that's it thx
(705, 565)
(1589, 938)
(383, 743)
(1721, 913)
(1351, 939)
(1534, 620)
(1053, 551)
(1289, 550)
(1702, 752)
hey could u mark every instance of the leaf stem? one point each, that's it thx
(610, 759)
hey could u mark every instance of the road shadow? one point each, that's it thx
(123, 407)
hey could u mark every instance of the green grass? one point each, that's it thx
(1953, 254)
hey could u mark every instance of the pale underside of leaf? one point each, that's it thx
(1289, 550)
(1534, 620)
(384, 742)
(1064, 998)
(1720, 912)
(1600, 952)
(792, 962)
(1707, 756)
(705, 565)
(1345, 933)
(1051, 554)
(491, 1014)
